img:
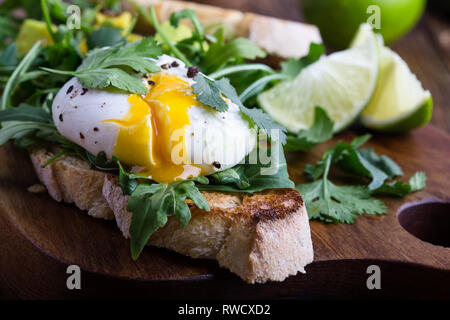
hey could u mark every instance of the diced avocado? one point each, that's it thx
(30, 32)
(174, 34)
(123, 21)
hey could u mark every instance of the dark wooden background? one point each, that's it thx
(26, 272)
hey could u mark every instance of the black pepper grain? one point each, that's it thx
(192, 71)
(84, 90)
(69, 90)
(216, 164)
(165, 66)
(81, 136)
(174, 64)
(95, 129)
(61, 117)
(150, 82)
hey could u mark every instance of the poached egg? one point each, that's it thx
(166, 134)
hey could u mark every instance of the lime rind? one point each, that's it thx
(414, 119)
(399, 103)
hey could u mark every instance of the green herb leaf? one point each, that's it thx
(292, 67)
(9, 57)
(101, 161)
(320, 131)
(209, 93)
(255, 115)
(338, 204)
(150, 206)
(188, 14)
(20, 129)
(360, 162)
(102, 67)
(25, 112)
(400, 189)
(104, 37)
(232, 176)
(253, 177)
(236, 51)
(14, 79)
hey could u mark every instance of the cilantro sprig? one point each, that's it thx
(331, 203)
(107, 66)
(342, 204)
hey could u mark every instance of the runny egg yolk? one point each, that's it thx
(152, 134)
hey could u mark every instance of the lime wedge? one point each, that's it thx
(399, 102)
(341, 83)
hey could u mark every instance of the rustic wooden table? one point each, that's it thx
(26, 272)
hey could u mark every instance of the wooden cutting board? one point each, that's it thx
(409, 265)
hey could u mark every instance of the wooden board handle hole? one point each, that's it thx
(428, 220)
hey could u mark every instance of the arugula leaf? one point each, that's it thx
(330, 203)
(101, 161)
(25, 112)
(150, 206)
(9, 57)
(14, 79)
(320, 131)
(209, 93)
(253, 177)
(232, 176)
(20, 129)
(235, 51)
(102, 67)
(292, 67)
(261, 119)
(128, 181)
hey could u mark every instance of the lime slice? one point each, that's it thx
(399, 102)
(341, 83)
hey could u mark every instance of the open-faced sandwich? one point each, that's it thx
(148, 132)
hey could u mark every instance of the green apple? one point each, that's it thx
(338, 20)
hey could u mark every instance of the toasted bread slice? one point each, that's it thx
(279, 38)
(261, 237)
(71, 180)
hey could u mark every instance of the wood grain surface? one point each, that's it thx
(410, 267)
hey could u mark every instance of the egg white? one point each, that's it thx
(215, 140)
